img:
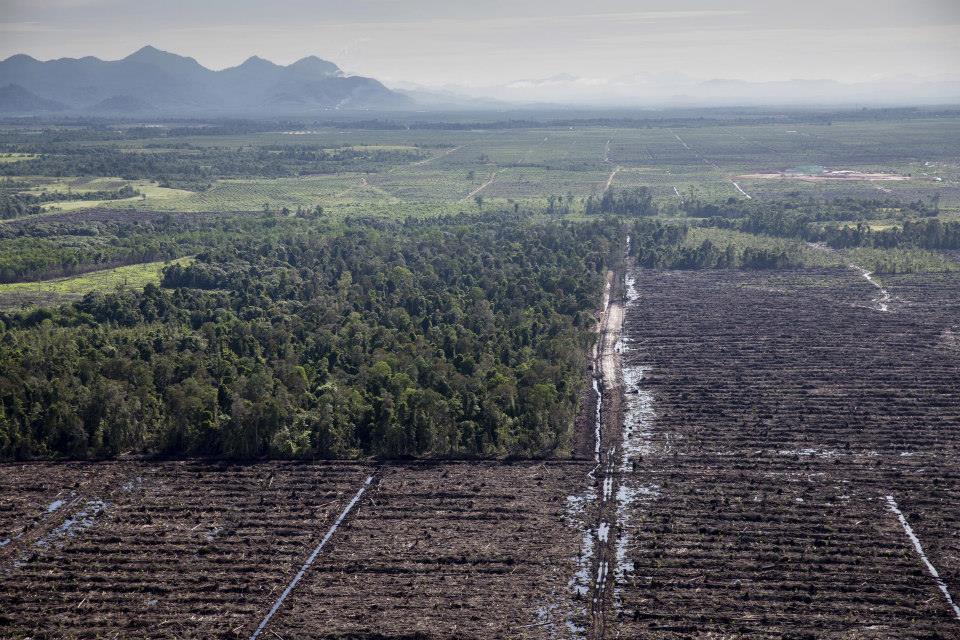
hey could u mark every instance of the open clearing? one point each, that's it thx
(787, 408)
(838, 174)
(197, 550)
(134, 276)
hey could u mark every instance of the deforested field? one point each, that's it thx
(199, 550)
(786, 450)
(792, 421)
(165, 550)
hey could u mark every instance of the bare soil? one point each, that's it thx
(787, 408)
(826, 176)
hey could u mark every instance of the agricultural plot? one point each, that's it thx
(15, 157)
(165, 550)
(711, 162)
(194, 550)
(781, 425)
(252, 195)
(809, 256)
(450, 550)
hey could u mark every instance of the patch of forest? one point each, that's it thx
(841, 223)
(193, 167)
(461, 336)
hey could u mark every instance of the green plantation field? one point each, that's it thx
(761, 187)
(429, 170)
(804, 253)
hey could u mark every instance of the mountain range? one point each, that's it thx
(151, 80)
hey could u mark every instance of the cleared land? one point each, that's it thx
(785, 409)
(768, 422)
(196, 550)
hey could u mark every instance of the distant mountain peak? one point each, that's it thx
(256, 62)
(151, 80)
(145, 50)
(168, 62)
(21, 57)
(315, 66)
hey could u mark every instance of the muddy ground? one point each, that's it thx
(197, 550)
(787, 408)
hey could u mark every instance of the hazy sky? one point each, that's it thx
(495, 41)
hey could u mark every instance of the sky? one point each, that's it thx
(434, 43)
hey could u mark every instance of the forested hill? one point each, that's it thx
(454, 337)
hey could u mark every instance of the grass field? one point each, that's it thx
(15, 157)
(134, 276)
(901, 260)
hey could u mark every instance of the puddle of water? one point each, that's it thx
(603, 531)
(601, 579)
(56, 504)
(883, 300)
(638, 417)
(627, 498)
(83, 519)
(576, 515)
(636, 444)
(598, 422)
(632, 293)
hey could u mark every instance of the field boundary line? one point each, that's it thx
(313, 556)
(477, 191)
(749, 197)
(442, 154)
(613, 174)
(932, 570)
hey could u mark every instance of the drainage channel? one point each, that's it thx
(313, 556)
(932, 570)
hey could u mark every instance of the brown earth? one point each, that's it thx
(787, 409)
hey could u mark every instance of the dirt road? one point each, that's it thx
(609, 437)
(479, 189)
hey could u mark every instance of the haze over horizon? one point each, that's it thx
(500, 43)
